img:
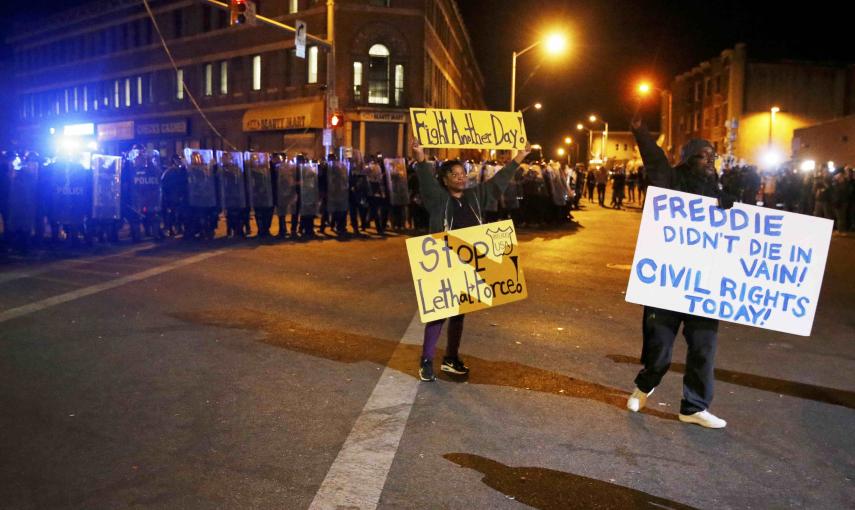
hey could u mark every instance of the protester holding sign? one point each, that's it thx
(695, 174)
(453, 206)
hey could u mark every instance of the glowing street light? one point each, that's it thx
(568, 140)
(592, 118)
(644, 88)
(538, 106)
(555, 43)
(561, 152)
(580, 127)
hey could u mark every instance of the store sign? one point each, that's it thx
(383, 117)
(297, 116)
(116, 131)
(160, 128)
(87, 129)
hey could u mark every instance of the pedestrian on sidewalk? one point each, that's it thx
(695, 174)
(452, 206)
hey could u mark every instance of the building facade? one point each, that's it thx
(729, 101)
(832, 141)
(101, 71)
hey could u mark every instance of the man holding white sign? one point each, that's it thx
(452, 206)
(695, 174)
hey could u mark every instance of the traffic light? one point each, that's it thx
(242, 12)
(336, 119)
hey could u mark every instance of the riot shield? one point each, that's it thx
(143, 186)
(396, 180)
(70, 192)
(201, 186)
(286, 188)
(557, 188)
(260, 183)
(338, 181)
(374, 176)
(23, 196)
(232, 184)
(309, 196)
(106, 187)
(472, 174)
(492, 202)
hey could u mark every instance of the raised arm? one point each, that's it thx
(429, 187)
(656, 166)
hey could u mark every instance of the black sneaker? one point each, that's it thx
(426, 370)
(454, 365)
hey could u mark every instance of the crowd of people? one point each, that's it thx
(86, 199)
(824, 192)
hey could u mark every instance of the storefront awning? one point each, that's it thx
(280, 118)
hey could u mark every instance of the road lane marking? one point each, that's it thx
(36, 306)
(66, 264)
(358, 474)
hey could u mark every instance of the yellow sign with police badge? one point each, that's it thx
(466, 270)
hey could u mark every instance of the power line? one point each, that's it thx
(183, 83)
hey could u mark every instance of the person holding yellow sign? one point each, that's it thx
(453, 206)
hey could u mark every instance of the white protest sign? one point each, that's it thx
(748, 265)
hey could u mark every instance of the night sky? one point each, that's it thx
(613, 44)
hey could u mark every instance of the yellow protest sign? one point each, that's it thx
(468, 129)
(465, 270)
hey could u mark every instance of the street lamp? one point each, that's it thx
(643, 88)
(772, 113)
(555, 43)
(536, 106)
(593, 118)
(581, 127)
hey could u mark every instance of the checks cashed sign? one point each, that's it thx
(465, 270)
(749, 265)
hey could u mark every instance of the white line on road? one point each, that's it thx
(20, 311)
(358, 474)
(64, 264)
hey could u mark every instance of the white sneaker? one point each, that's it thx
(704, 419)
(636, 401)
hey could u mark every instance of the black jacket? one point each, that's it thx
(682, 177)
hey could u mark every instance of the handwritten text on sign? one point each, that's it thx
(468, 129)
(465, 270)
(748, 265)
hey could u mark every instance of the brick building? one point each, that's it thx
(101, 69)
(729, 100)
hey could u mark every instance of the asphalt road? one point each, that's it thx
(246, 375)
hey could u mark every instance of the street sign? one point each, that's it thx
(300, 38)
(327, 137)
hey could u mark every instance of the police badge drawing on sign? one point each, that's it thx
(502, 242)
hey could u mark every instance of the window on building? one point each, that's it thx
(256, 72)
(708, 87)
(139, 90)
(117, 93)
(179, 83)
(224, 77)
(718, 84)
(293, 6)
(378, 74)
(85, 102)
(357, 80)
(697, 91)
(697, 121)
(399, 85)
(127, 92)
(617, 147)
(380, 3)
(209, 79)
(313, 65)
(625, 147)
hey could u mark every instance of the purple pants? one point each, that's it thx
(432, 331)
